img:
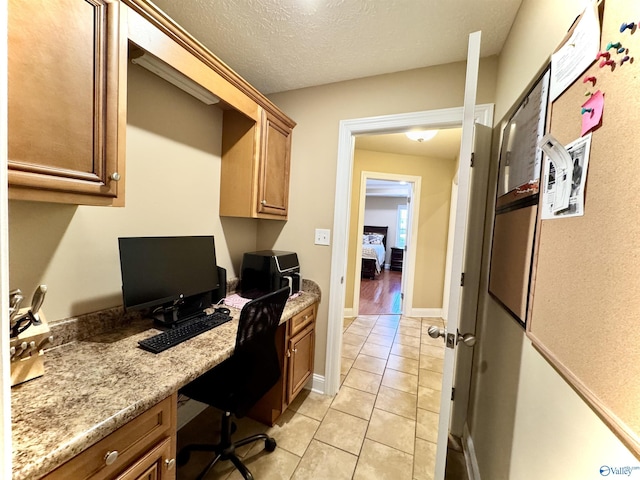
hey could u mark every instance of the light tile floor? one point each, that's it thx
(381, 425)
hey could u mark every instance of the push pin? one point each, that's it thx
(631, 26)
(606, 55)
(587, 94)
(586, 110)
(589, 79)
(604, 63)
(621, 50)
(626, 58)
(611, 45)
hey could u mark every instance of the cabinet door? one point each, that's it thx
(273, 194)
(301, 351)
(63, 100)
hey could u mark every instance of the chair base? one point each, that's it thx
(225, 449)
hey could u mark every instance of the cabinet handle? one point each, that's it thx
(288, 353)
(115, 176)
(295, 350)
(111, 457)
(263, 202)
(170, 463)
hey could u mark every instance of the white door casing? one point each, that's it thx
(5, 375)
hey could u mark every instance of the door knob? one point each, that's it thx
(435, 332)
(469, 339)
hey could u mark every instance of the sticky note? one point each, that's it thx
(592, 119)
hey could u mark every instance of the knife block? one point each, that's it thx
(29, 363)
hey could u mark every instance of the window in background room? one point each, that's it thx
(401, 232)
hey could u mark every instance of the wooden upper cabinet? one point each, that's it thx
(274, 167)
(255, 166)
(66, 102)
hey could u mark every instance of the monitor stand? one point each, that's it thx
(182, 310)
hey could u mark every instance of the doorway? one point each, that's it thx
(349, 129)
(386, 211)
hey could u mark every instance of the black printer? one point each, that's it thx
(267, 271)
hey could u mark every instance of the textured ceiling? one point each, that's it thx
(280, 45)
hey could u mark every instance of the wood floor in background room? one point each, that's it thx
(381, 425)
(381, 295)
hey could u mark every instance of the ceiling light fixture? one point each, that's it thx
(421, 135)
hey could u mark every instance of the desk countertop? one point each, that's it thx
(94, 386)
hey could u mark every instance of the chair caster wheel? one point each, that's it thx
(183, 457)
(270, 444)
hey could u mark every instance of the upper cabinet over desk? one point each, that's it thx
(67, 106)
(65, 102)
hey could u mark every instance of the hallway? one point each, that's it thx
(381, 296)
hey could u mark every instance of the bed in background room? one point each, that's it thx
(374, 250)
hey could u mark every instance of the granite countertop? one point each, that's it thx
(93, 386)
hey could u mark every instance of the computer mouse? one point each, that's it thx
(224, 310)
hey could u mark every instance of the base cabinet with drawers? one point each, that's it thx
(295, 340)
(144, 448)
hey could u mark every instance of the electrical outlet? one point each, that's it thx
(322, 236)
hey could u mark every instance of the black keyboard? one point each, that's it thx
(173, 337)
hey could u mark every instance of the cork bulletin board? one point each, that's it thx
(585, 306)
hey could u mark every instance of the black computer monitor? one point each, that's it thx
(176, 275)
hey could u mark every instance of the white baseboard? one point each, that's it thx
(188, 411)
(425, 312)
(348, 313)
(316, 384)
(470, 454)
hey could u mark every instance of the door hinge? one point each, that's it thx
(408, 199)
(401, 296)
(453, 394)
(462, 279)
(473, 157)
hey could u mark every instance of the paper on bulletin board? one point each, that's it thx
(592, 113)
(577, 52)
(520, 157)
(579, 152)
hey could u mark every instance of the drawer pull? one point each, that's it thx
(295, 350)
(115, 176)
(170, 463)
(111, 457)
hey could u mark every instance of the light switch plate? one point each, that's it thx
(322, 236)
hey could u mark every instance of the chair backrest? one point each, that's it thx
(256, 354)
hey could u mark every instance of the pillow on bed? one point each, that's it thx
(365, 239)
(375, 238)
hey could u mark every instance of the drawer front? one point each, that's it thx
(129, 441)
(301, 320)
(157, 464)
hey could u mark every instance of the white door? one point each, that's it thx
(450, 334)
(472, 266)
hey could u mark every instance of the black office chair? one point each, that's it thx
(237, 384)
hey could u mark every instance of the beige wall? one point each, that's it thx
(432, 223)
(318, 111)
(525, 421)
(173, 177)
